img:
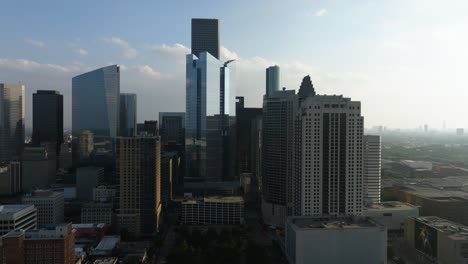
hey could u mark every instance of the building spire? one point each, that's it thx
(307, 88)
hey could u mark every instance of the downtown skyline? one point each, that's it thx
(394, 57)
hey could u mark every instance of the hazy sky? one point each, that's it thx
(405, 60)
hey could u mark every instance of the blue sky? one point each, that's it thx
(404, 59)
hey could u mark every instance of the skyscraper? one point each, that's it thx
(138, 168)
(48, 118)
(372, 168)
(205, 36)
(11, 121)
(128, 114)
(328, 156)
(96, 102)
(277, 154)
(172, 128)
(272, 80)
(210, 118)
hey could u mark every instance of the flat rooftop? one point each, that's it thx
(101, 225)
(315, 223)
(105, 261)
(9, 209)
(108, 243)
(453, 230)
(439, 194)
(214, 199)
(391, 205)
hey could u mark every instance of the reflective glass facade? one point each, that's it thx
(11, 121)
(208, 116)
(48, 118)
(96, 102)
(272, 80)
(128, 114)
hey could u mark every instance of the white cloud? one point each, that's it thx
(320, 12)
(30, 65)
(145, 70)
(128, 51)
(81, 52)
(174, 52)
(37, 43)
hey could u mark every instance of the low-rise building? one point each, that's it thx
(213, 211)
(106, 247)
(322, 240)
(391, 214)
(52, 245)
(17, 216)
(49, 204)
(431, 239)
(97, 212)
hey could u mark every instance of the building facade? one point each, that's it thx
(48, 118)
(227, 210)
(272, 80)
(172, 128)
(96, 102)
(372, 168)
(205, 36)
(87, 178)
(38, 167)
(128, 114)
(138, 168)
(10, 178)
(97, 212)
(17, 216)
(49, 205)
(391, 214)
(11, 121)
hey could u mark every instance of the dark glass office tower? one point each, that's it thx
(272, 80)
(172, 128)
(205, 36)
(11, 121)
(96, 102)
(48, 118)
(128, 114)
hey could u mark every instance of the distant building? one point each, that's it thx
(167, 158)
(11, 121)
(324, 240)
(104, 193)
(17, 216)
(38, 166)
(205, 36)
(108, 246)
(372, 168)
(96, 102)
(272, 80)
(138, 168)
(10, 178)
(85, 144)
(172, 128)
(66, 156)
(148, 128)
(128, 114)
(431, 239)
(53, 245)
(49, 204)
(48, 118)
(97, 212)
(391, 214)
(87, 178)
(213, 211)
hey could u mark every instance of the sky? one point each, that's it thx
(405, 60)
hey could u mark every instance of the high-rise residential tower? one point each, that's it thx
(205, 36)
(138, 168)
(96, 102)
(272, 80)
(372, 168)
(11, 121)
(48, 118)
(210, 118)
(128, 114)
(172, 128)
(328, 147)
(277, 154)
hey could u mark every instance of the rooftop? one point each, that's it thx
(108, 243)
(390, 205)
(439, 194)
(76, 226)
(214, 199)
(315, 223)
(453, 230)
(105, 261)
(10, 209)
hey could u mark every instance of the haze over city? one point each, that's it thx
(404, 60)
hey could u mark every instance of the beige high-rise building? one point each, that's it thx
(138, 169)
(86, 143)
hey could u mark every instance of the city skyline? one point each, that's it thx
(391, 54)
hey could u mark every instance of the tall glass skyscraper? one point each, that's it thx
(128, 114)
(210, 116)
(205, 36)
(48, 118)
(272, 80)
(11, 121)
(96, 102)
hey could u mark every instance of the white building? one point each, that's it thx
(213, 211)
(328, 156)
(372, 168)
(17, 216)
(391, 214)
(335, 240)
(49, 204)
